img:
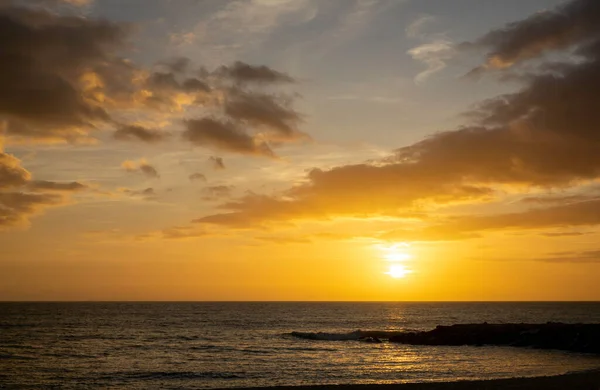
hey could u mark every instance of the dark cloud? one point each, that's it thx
(178, 65)
(162, 81)
(134, 132)
(197, 177)
(63, 78)
(217, 192)
(140, 166)
(244, 73)
(226, 136)
(147, 193)
(217, 162)
(264, 112)
(44, 185)
(43, 66)
(149, 170)
(575, 22)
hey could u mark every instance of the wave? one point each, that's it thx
(166, 375)
(356, 335)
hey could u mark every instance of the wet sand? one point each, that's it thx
(588, 380)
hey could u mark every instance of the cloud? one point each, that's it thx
(197, 177)
(415, 29)
(248, 120)
(41, 185)
(591, 256)
(572, 23)
(45, 60)
(134, 132)
(217, 163)
(240, 72)
(170, 82)
(140, 166)
(17, 207)
(434, 55)
(146, 194)
(11, 172)
(586, 213)
(264, 111)
(224, 136)
(544, 136)
(353, 190)
(21, 198)
(217, 192)
(570, 215)
(64, 78)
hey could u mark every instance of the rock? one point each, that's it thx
(552, 335)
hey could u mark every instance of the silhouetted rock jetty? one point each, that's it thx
(566, 337)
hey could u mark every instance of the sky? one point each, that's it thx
(357, 150)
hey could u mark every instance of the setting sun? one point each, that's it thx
(398, 271)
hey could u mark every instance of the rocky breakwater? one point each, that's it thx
(566, 337)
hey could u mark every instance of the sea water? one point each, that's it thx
(235, 344)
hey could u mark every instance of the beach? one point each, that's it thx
(588, 380)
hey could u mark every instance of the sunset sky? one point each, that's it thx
(299, 150)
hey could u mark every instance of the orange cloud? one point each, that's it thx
(22, 198)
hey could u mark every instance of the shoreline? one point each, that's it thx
(580, 380)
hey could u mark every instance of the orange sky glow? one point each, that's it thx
(297, 150)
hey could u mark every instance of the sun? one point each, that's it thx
(396, 254)
(398, 271)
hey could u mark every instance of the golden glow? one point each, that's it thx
(395, 252)
(397, 256)
(398, 271)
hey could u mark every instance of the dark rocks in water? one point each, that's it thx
(371, 339)
(552, 335)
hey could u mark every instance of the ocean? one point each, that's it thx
(196, 345)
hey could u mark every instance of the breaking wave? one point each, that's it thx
(356, 335)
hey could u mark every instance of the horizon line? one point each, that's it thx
(295, 301)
